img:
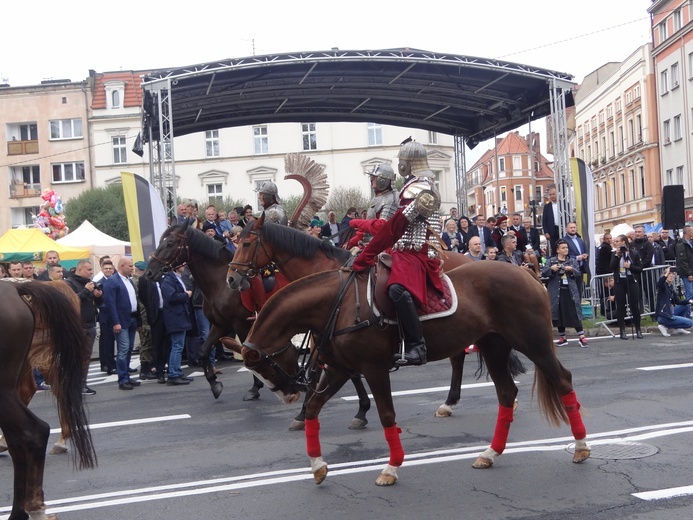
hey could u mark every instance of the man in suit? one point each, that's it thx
(178, 318)
(578, 250)
(120, 304)
(515, 226)
(331, 228)
(602, 262)
(479, 229)
(550, 220)
(149, 294)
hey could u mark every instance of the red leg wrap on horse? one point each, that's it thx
(572, 408)
(500, 435)
(396, 450)
(313, 438)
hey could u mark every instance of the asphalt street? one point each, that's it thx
(176, 453)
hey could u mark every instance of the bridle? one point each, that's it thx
(181, 246)
(252, 267)
(300, 381)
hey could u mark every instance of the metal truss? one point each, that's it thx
(461, 175)
(561, 159)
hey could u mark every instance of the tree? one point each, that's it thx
(344, 197)
(103, 207)
(290, 203)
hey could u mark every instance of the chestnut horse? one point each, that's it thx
(208, 261)
(41, 326)
(327, 302)
(297, 255)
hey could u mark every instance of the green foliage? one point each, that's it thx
(226, 204)
(103, 207)
(342, 198)
(290, 204)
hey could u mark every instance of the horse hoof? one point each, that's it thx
(252, 395)
(217, 387)
(482, 463)
(515, 405)
(57, 450)
(385, 480)
(444, 411)
(358, 424)
(581, 456)
(40, 515)
(320, 475)
(297, 426)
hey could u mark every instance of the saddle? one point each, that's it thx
(435, 306)
(261, 288)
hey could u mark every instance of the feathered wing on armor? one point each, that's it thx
(313, 178)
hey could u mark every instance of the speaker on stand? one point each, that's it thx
(673, 214)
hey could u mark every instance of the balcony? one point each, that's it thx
(23, 190)
(22, 147)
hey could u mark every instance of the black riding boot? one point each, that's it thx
(414, 346)
(623, 333)
(638, 332)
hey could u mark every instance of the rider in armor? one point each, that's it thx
(382, 207)
(271, 203)
(414, 263)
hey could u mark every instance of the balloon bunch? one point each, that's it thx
(50, 219)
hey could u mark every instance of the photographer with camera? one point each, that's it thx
(566, 310)
(626, 266)
(672, 312)
(90, 297)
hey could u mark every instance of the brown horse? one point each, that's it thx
(327, 302)
(40, 327)
(208, 261)
(297, 255)
(41, 359)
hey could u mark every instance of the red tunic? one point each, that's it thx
(411, 269)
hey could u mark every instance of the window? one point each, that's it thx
(214, 194)
(618, 106)
(676, 19)
(679, 175)
(629, 98)
(633, 185)
(115, 99)
(212, 143)
(518, 193)
(31, 174)
(28, 132)
(638, 127)
(641, 175)
(621, 139)
(631, 132)
(601, 117)
(677, 127)
(609, 112)
(666, 131)
(670, 177)
(622, 179)
(690, 64)
(120, 152)
(375, 134)
(66, 129)
(663, 31)
(612, 143)
(433, 137)
(310, 136)
(68, 172)
(675, 75)
(517, 165)
(636, 92)
(664, 82)
(501, 164)
(260, 139)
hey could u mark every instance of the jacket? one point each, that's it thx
(117, 304)
(88, 303)
(684, 258)
(178, 311)
(555, 279)
(635, 267)
(666, 296)
(148, 296)
(646, 251)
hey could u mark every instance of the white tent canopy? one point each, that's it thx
(98, 243)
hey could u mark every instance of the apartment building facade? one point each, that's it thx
(616, 134)
(672, 51)
(501, 180)
(46, 146)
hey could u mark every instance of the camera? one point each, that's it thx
(623, 249)
(98, 286)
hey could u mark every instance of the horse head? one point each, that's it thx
(171, 253)
(269, 367)
(252, 254)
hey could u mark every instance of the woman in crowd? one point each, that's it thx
(491, 253)
(464, 226)
(452, 238)
(626, 266)
(566, 310)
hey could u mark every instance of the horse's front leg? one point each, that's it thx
(331, 381)
(379, 381)
(215, 332)
(457, 362)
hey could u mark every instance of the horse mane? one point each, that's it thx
(298, 243)
(204, 244)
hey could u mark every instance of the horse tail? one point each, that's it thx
(550, 404)
(515, 364)
(58, 329)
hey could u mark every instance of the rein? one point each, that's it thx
(171, 264)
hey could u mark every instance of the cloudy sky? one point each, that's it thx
(68, 38)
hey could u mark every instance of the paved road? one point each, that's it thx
(175, 453)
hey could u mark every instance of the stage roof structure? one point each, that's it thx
(472, 97)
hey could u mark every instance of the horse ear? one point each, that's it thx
(259, 222)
